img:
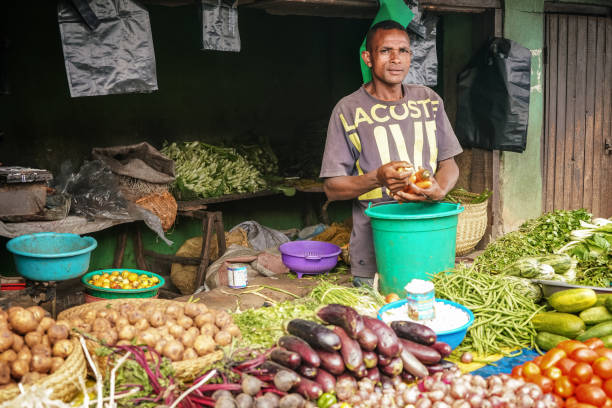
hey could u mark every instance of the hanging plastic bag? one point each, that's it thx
(493, 97)
(424, 60)
(108, 47)
(220, 26)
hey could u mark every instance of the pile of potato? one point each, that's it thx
(178, 332)
(32, 344)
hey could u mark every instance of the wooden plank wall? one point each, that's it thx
(577, 169)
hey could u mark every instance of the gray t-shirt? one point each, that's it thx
(364, 133)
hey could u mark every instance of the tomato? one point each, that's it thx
(604, 352)
(608, 403)
(603, 367)
(531, 370)
(581, 373)
(563, 387)
(590, 394)
(566, 365)
(517, 371)
(583, 405)
(559, 401)
(553, 373)
(552, 357)
(596, 380)
(585, 355)
(571, 402)
(392, 297)
(594, 343)
(538, 360)
(545, 383)
(570, 345)
(607, 387)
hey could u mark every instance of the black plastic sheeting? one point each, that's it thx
(493, 97)
(108, 47)
(424, 61)
(219, 26)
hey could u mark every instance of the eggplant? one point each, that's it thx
(370, 359)
(367, 339)
(388, 343)
(360, 371)
(326, 381)
(309, 389)
(441, 347)
(425, 354)
(394, 368)
(308, 371)
(342, 316)
(297, 345)
(412, 364)
(384, 360)
(440, 366)
(289, 359)
(374, 374)
(419, 333)
(314, 334)
(407, 377)
(331, 361)
(350, 350)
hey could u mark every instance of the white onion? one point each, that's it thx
(423, 403)
(440, 404)
(458, 390)
(460, 403)
(436, 395)
(476, 401)
(411, 395)
(524, 401)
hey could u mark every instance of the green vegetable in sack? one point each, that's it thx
(546, 272)
(524, 267)
(561, 263)
(526, 288)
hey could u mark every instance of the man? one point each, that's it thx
(378, 132)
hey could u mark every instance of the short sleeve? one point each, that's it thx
(338, 158)
(448, 145)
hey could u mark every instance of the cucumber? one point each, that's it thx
(547, 341)
(562, 324)
(607, 340)
(599, 330)
(601, 298)
(573, 300)
(595, 315)
(609, 303)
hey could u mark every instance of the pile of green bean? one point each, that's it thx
(502, 314)
(204, 170)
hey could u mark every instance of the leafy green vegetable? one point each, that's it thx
(461, 195)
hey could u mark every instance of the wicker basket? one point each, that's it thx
(161, 204)
(186, 370)
(471, 227)
(64, 382)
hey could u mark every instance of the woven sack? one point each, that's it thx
(161, 204)
(64, 382)
(471, 226)
(185, 371)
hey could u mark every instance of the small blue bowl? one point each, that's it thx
(451, 337)
(51, 256)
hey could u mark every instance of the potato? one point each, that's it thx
(40, 363)
(141, 325)
(222, 319)
(31, 378)
(121, 321)
(127, 332)
(100, 324)
(5, 373)
(208, 329)
(194, 330)
(223, 338)
(8, 356)
(112, 316)
(202, 308)
(23, 321)
(205, 318)
(17, 342)
(19, 368)
(13, 309)
(173, 350)
(57, 332)
(38, 312)
(66, 323)
(45, 341)
(41, 349)
(32, 339)
(191, 310)
(176, 331)
(24, 354)
(187, 339)
(174, 311)
(189, 354)
(135, 316)
(88, 316)
(3, 315)
(109, 337)
(4, 325)
(163, 331)
(157, 318)
(233, 330)
(159, 346)
(62, 348)
(185, 322)
(102, 314)
(204, 345)
(45, 323)
(6, 339)
(56, 363)
(126, 308)
(124, 343)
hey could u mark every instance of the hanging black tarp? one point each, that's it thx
(108, 47)
(493, 97)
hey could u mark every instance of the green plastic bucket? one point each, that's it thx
(412, 241)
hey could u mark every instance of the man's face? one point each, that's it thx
(389, 57)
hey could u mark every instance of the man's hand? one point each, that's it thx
(441, 184)
(394, 175)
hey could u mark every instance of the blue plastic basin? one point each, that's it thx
(451, 337)
(51, 256)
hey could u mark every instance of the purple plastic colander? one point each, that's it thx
(309, 257)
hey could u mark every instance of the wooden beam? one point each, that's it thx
(569, 8)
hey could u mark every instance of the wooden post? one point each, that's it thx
(120, 248)
(140, 259)
(207, 227)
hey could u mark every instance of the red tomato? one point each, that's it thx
(583, 405)
(590, 394)
(545, 383)
(538, 360)
(559, 401)
(571, 402)
(581, 373)
(594, 343)
(566, 365)
(585, 355)
(608, 403)
(517, 371)
(570, 345)
(596, 380)
(530, 370)
(553, 373)
(603, 367)
(552, 357)
(607, 387)
(604, 352)
(564, 387)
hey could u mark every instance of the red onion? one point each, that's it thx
(436, 395)
(440, 404)
(423, 403)
(460, 403)
(411, 395)
(458, 389)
